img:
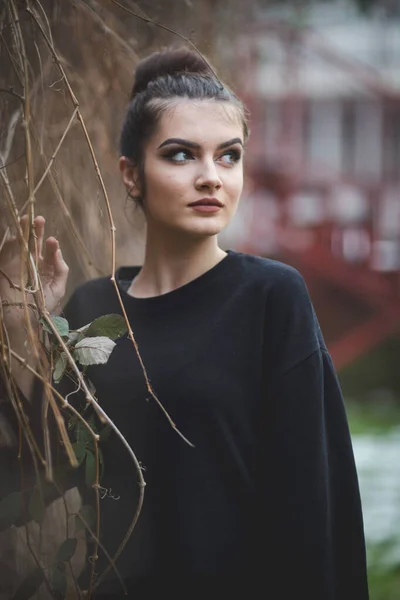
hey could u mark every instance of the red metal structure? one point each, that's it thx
(348, 247)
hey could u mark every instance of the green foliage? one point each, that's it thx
(83, 434)
(91, 344)
(112, 326)
(10, 510)
(29, 585)
(90, 468)
(376, 370)
(383, 571)
(366, 6)
(372, 418)
(84, 448)
(80, 450)
(60, 367)
(59, 323)
(93, 350)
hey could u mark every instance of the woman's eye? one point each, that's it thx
(179, 156)
(230, 157)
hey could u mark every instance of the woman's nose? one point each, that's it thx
(208, 177)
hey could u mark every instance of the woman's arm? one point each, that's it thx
(310, 502)
(313, 520)
(53, 272)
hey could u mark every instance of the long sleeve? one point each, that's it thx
(310, 502)
(310, 497)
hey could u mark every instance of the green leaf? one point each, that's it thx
(82, 433)
(59, 323)
(94, 350)
(67, 549)
(45, 325)
(30, 585)
(59, 581)
(80, 450)
(60, 367)
(36, 506)
(88, 514)
(111, 326)
(101, 463)
(90, 469)
(10, 510)
(75, 336)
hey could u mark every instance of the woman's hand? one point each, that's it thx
(53, 273)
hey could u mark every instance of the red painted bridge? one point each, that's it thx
(323, 191)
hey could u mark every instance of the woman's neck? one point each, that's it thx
(171, 263)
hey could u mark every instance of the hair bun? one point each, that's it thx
(168, 62)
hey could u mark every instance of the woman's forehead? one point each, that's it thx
(200, 121)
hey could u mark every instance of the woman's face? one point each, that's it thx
(193, 168)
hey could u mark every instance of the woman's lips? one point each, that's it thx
(205, 208)
(206, 205)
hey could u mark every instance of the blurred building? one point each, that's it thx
(323, 89)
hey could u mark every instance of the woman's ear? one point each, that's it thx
(129, 174)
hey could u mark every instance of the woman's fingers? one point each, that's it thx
(54, 274)
(36, 244)
(53, 258)
(38, 226)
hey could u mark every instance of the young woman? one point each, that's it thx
(265, 503)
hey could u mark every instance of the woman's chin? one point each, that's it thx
(197, 228)
(206, 230)
(208, 226)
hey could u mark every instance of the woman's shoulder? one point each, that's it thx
(123, 277)
(96, 297)
(271, 274)
(291, 328)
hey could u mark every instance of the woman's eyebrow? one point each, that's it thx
(195, 146)
(230, 143)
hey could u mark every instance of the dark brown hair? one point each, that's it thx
(160, 78)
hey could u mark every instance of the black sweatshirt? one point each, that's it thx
(267, 502)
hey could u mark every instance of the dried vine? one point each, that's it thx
(42, 361)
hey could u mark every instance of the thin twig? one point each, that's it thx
(71, 228)
(10, 282)
(180, 35)
(95, 556)
(46, 19)
(8, 194)
(12, 60)
(64, 403)
(41, 79)
(53, 157)
(32, 265)
(11, 162)
(89, 5)
(106, 554)
(11, 91)
(27, 111)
